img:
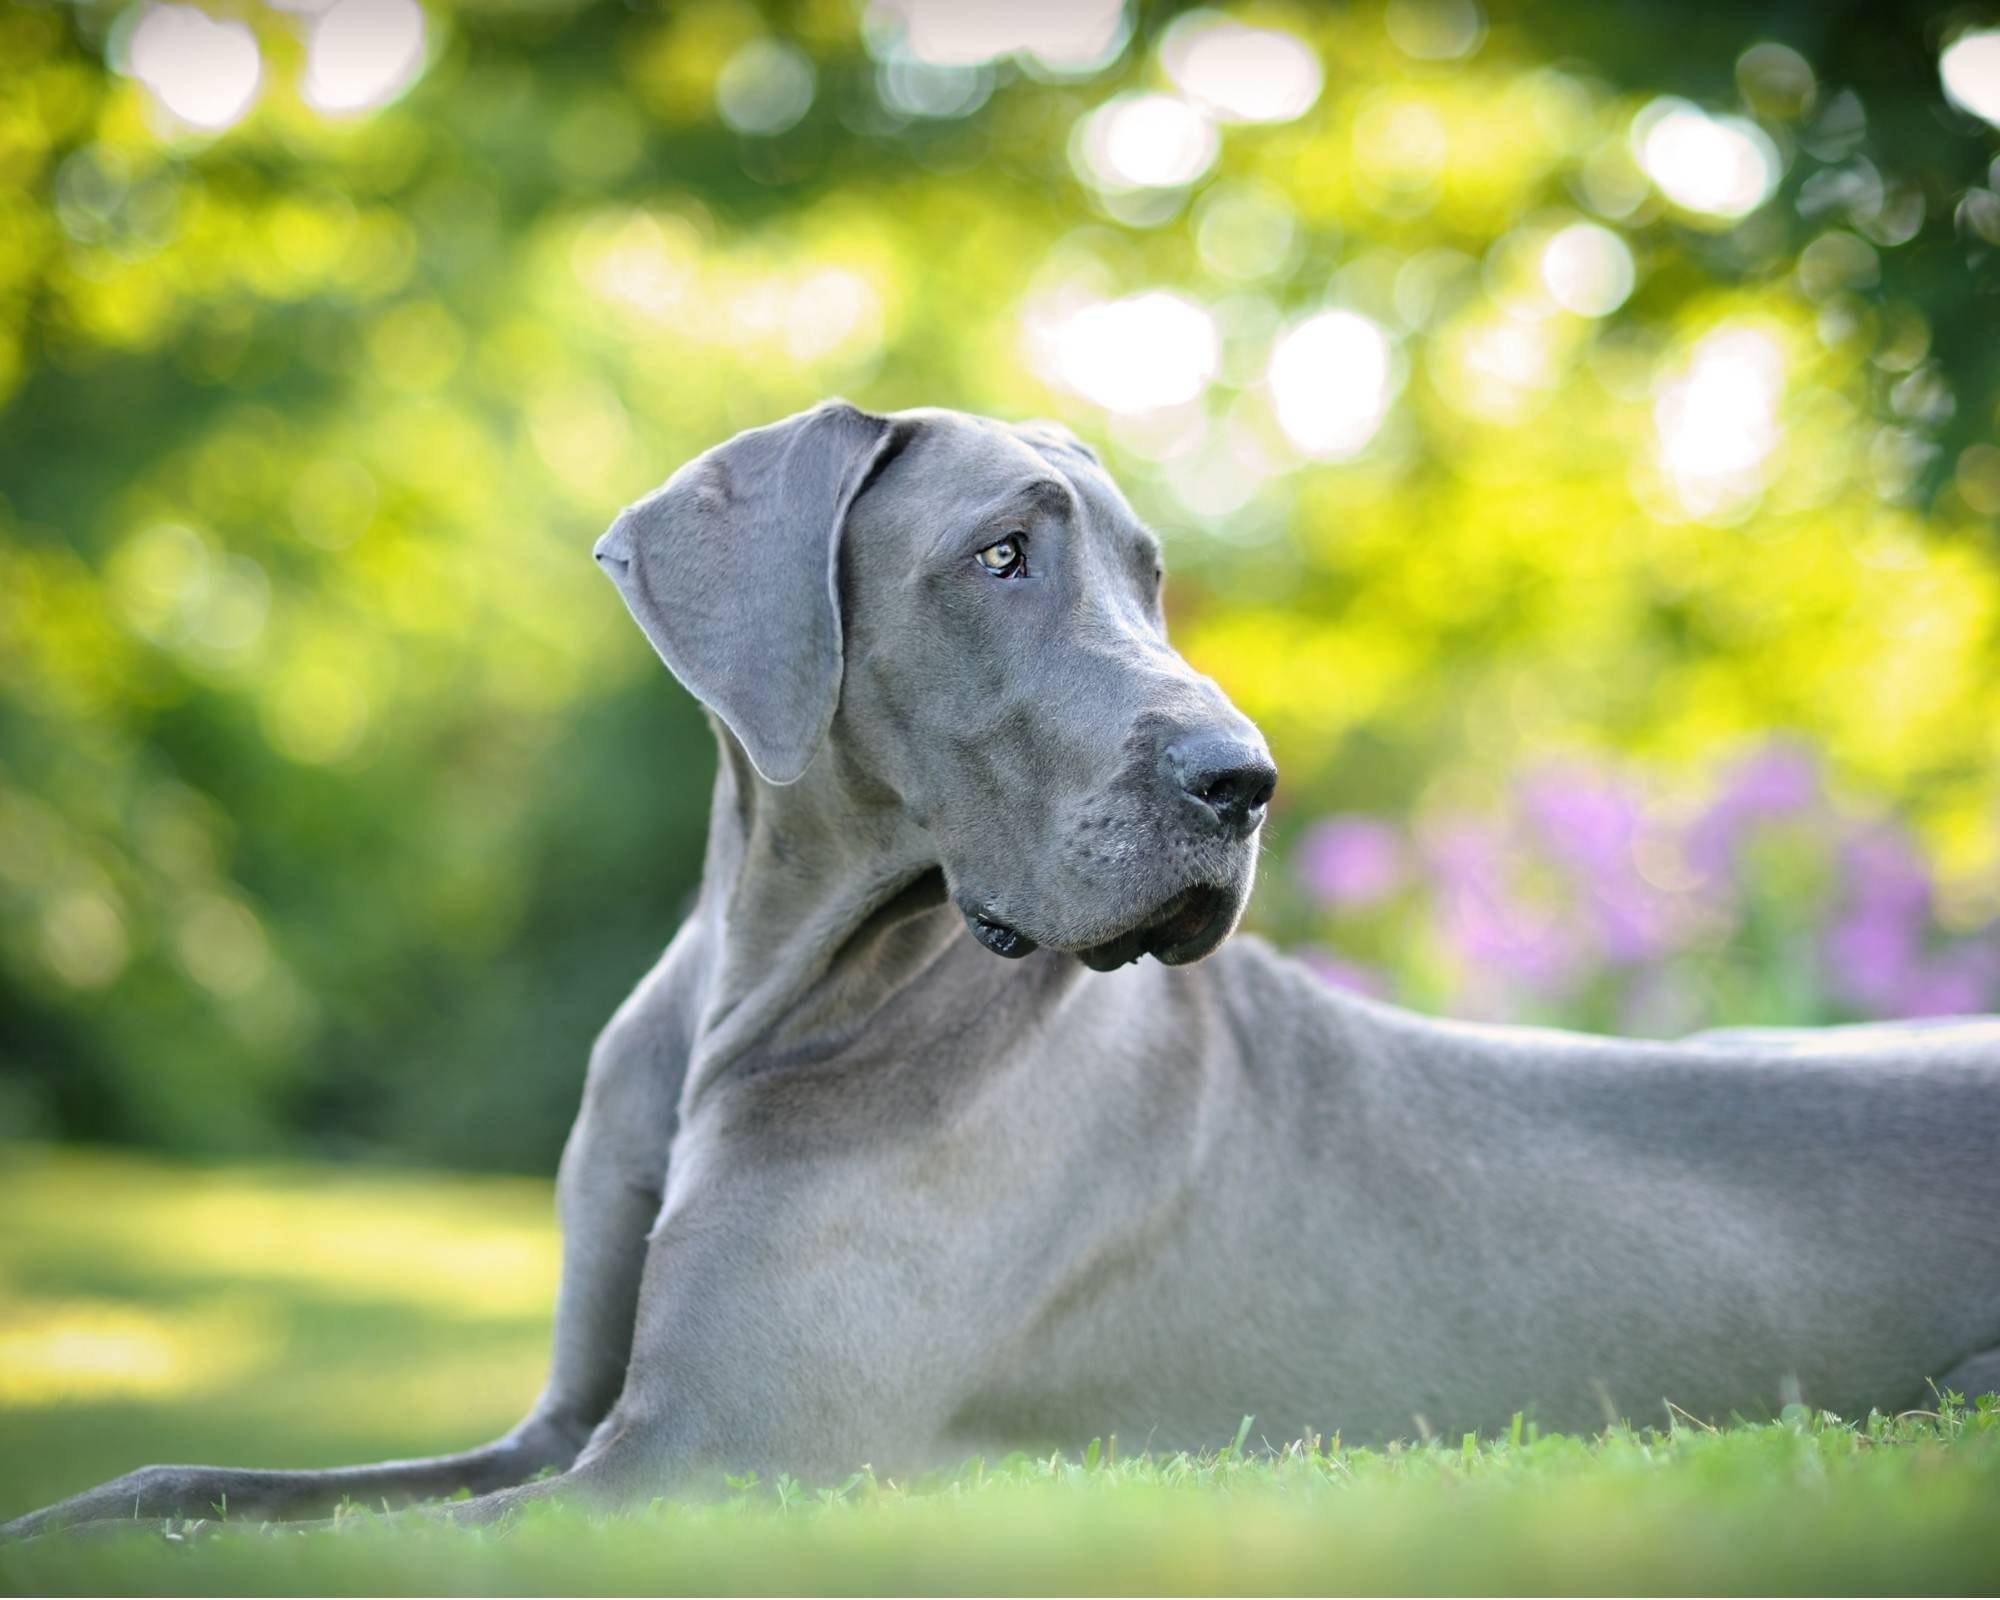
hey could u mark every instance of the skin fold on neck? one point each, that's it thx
(824, 903)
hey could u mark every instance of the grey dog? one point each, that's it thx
(846, 1186)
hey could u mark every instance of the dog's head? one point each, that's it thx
(963, 618)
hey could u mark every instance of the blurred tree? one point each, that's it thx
(1584, 389)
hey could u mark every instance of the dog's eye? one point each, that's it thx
(1006, 559)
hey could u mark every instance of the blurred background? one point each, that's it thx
(1572, 424)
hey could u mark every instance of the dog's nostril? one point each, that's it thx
(1231, 777)
(1239, 795)
(1247, 789)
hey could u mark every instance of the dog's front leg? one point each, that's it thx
(608, 1192)
(808, 1306)
(740, 1360)
(250, 1494)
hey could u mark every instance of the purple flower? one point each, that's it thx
(1351, 861)
(1871, 955)
(1587, 820)
(1780, 780)
(1482, 909)
(1503, 933)
(1590, 824)
(1962, 981)
(1876, 955)
(1631, 923)
(1464, 850)
(1540, 950)
(1885, 874)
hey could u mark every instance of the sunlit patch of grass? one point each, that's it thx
(475, 1248)
(56, 1351)
(265, 1316)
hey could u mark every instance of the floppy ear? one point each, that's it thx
(732, 570)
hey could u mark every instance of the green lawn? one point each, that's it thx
(294, 1316)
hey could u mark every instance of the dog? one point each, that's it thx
(903, 1151)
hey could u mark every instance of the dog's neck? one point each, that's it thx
(820, 901)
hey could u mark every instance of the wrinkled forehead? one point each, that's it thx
(954, 464)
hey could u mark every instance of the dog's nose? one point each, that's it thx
(614, 551)
(1230, 777)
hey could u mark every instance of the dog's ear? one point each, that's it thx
(732, 570)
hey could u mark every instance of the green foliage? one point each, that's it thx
(339, 802)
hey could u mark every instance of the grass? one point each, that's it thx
(294, 1316)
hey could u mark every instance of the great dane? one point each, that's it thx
(904, 1152)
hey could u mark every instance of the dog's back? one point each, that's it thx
(1529, 1215)
(1373, 1217)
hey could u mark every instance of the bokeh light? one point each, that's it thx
(1777, 81)
(1722, 167)
(203, 72)
(1246, 230)
(1587, 269)
(914, 88)
(1238, 73)
(1718, 420)
(1970, 68)
(1060, 36)
(1144, 353)
(1146, 141)
(765, 87)
(1435, 30)
(362, 53)
(1329, 382)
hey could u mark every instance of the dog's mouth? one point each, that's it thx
(997, 936)
(1183, 929)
